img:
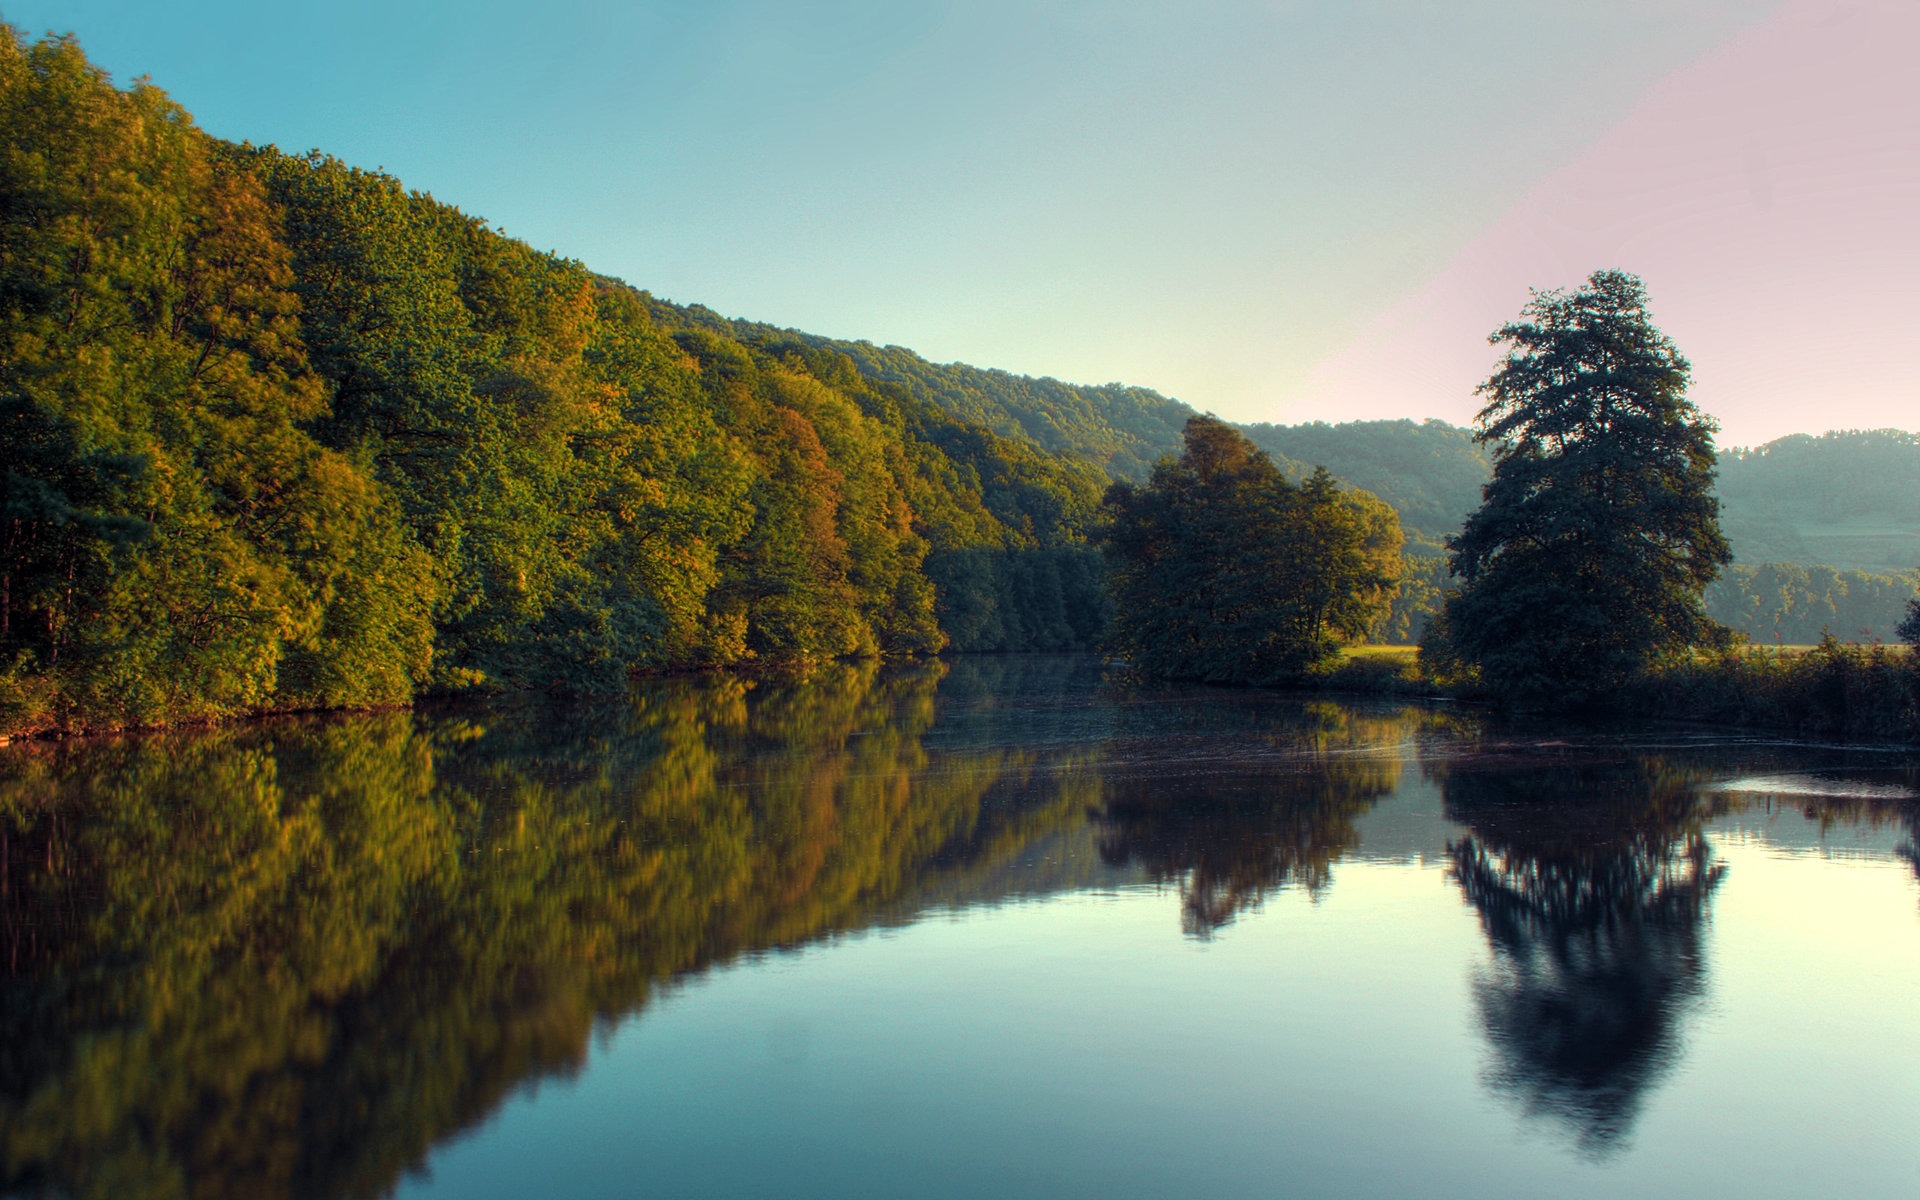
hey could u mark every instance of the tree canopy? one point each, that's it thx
(1225, 571)
(1599, 529)
(279, 432)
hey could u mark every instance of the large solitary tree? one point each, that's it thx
(1223, 570)
(1599, 529)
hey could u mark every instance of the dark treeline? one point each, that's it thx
(281, 433)
(1785, 602)
(1769, 603)
(1225, 571)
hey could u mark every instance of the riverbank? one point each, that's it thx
(1832, 689)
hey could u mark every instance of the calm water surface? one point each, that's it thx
(991, 929)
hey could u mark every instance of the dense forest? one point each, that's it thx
(284, 434)
(1123, 430)
(1431, 472)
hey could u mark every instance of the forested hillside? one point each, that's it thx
(1124, 430)
(281, 433)
(1429, 471)
(1825, 530)
(1850, 498)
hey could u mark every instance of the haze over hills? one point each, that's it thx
(1849, 498)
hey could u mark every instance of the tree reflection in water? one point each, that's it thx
(287, 959)
(1233, 834)
(1592, 881)
(1868, 812)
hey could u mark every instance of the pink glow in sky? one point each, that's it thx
(1769, 196)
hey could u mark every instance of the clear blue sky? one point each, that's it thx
(1210, 199)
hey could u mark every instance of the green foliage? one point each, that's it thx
(1796, 605)
(1834, 690)
(1051, 598)
(1430, 472)
(1425, 583)
(281, 433)
(1224, 571)
(1120, 429)
(1376, 670)
(1909, 627)
(1599, 530)
(175, 536)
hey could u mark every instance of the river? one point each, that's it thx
(999, 927)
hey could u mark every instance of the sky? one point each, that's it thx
(1281, 210)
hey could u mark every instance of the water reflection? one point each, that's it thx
(291, 958)
(1893, 807)
(1592, 880)
(286, 960)
(1232, 835)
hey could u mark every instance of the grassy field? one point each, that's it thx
(1390, 669)
(1398, 653)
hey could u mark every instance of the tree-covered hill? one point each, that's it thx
(280, 433)
(1825, 530)
(1123, 430)
(1429, 471)
(1849, 499)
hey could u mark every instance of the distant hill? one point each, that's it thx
(1847, 499)
(1124, 430)
(1429, 471)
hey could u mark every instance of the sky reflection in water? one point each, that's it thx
(997, 928)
